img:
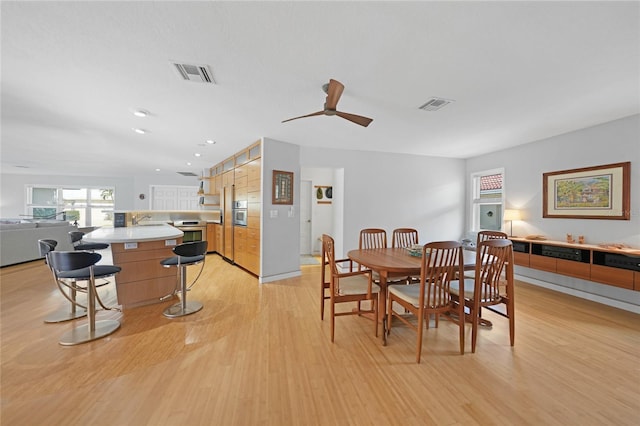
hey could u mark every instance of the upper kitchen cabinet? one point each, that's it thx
(255, 150)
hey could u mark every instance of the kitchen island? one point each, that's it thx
(138, 250)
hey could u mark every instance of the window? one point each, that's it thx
(87, 206)
(487, 199)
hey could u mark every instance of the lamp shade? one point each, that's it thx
(511, 214)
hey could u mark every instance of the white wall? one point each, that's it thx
(390, 191)
(280, 230)
(613, 142)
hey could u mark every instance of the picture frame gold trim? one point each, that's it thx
(600, 192)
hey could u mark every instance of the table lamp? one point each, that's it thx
(511, 215)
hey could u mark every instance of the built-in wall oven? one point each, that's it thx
(240, 213)
(194, 230)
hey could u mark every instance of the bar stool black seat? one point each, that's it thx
(76, 240)
(81, 266)
(187, 254)
(45, 246)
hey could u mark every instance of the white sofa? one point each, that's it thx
(19, 238)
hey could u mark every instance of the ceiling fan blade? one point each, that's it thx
(334, 91)
(303, 116)
(358, 119)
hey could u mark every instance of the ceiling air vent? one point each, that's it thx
(197, 73)
(435, 104)
(187, 174)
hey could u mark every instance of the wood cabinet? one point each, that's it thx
(616, 267)
(614, 276)
(219, 240)
(239, 178)
(143, 280)
(247, 239)
(212, 238)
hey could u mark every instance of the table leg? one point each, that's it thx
(382, 306)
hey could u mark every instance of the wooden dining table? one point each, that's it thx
(392, 262)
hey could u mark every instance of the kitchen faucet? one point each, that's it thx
(135, 220)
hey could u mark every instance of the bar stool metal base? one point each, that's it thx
(83, 334)
(62, 316)
(178, 310)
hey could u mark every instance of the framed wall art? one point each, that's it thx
(324, 194)
(601, 192)
(282, 190)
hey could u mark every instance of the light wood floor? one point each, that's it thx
(259, 355)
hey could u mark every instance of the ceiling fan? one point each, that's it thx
(334, 90)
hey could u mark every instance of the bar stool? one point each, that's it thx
(187, 254)
(81, 266)
(46, 246)
(76, 239)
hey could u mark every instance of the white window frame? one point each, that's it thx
(475, 201)
(60, 205)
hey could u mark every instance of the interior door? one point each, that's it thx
(305, 217)
(172, 197)
(163, 197)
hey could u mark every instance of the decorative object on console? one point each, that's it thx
(601, 192)
(510, 215)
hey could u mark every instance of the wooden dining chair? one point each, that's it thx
(351, 286)
(484, 236)
(441, 261)
(488, 288)
(490, 235)
(325, 283)
(373, 238)
(404, 237)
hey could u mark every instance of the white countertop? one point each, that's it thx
(128, 234)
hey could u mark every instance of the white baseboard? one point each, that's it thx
(271, 278)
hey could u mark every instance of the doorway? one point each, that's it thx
(305, 218)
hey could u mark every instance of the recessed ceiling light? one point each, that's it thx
(197, 154)
(141, 113)
(157, 170)
(188, 163)
(210, 141)
(140, 131)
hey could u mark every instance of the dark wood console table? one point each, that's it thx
(604, 265)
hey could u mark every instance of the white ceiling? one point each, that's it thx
(73, 72)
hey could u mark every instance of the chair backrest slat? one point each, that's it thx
(490, 235)
(404, 237)
(441, 263)
(491, 258)
(373, 238)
